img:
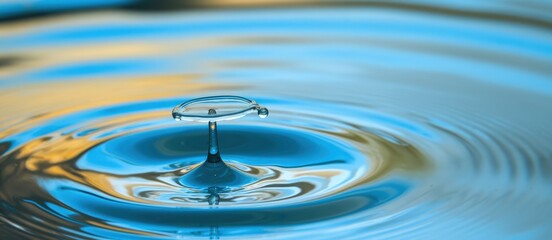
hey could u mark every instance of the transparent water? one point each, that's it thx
(388, 120)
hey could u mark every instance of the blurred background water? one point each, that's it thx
(388, 119)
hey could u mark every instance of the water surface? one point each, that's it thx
(388, 120)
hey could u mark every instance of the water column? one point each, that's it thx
(213, 175)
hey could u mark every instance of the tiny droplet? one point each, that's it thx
(262, 112)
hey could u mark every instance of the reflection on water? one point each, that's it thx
(388, 120)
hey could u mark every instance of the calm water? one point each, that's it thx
(418, 120)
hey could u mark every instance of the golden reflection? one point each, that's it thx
(44, 153)
(383, 158)
(101, 181)
(42, 101)
(384, 155)
(52, 154)
(35, 59)
(103, 225)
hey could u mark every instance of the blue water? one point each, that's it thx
(388, 120)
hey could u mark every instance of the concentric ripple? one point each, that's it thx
(129, 163)
(388, 120)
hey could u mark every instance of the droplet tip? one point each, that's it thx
(262, 112)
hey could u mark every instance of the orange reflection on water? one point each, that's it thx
(24, 107)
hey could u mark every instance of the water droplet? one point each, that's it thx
(227, 108)
(262, 112)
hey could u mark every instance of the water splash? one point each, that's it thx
(217, 108)
(214, 173)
